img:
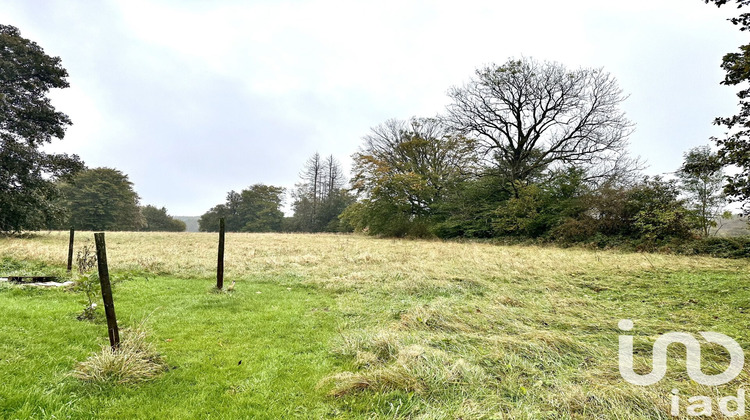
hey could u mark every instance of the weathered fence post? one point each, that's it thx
(109, 305)
(220, 264)
(70, 250)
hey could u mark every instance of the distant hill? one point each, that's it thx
(736, 226)
(191, 222)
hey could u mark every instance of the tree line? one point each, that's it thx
(319, 198)
(524, 149)
(532, 149)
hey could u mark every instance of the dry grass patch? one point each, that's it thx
(445, 315)
(329, 258)
(136, 360)
(368, 347)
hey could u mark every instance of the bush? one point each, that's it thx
(86, 281)
(518, 215)
(574, 230)
(718, 247)
(384, 219)
(659, 214)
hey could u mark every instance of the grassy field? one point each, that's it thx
(337, 326)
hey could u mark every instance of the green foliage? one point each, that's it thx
(87, 282)
(27, 122)
(562, 207)
(518, 215)
(331, 209)
(101, 199)
(157, 220)
(384, 219)
(735, 148)
(468, 211)
(607, 211)
(255, 209)
(650, 211)
(405, 171)
(738, 247)
(657, 211)
(701, 178)
(537, 209)
(489, 206)
(354, 216)
(573, 230)
(326, 216)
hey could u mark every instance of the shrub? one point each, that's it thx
(574, 230)
(658, 212)
(384, 219)
(518, 215)
(718, 247)
(86, 281)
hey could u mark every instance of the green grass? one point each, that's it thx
(280, 336)
(353, 327)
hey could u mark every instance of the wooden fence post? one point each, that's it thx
(109, 305)
(220, 263)
(70, 250)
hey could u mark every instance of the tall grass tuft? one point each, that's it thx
(414, 369)
(136, 360)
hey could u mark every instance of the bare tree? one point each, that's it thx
(334, 179)
(311, 180)
(529, 116)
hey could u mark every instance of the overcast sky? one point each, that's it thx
(192, 99)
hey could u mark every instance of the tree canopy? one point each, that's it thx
(403, 172)
(701, 178)
(255, 209)
(101, 199)
(734, 149)
(157, 220)
(28, 121)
